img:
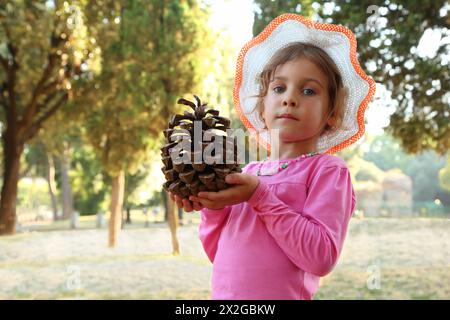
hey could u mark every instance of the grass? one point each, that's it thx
(395, 283)
(86, 222)
(408, 257)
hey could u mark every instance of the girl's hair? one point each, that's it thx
(336, 91)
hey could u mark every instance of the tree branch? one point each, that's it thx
(48, 88)
(10, 68)
(47, 101)
(12, 50)
(33, 129)
(32, 106)
(4, 63)
(25, 172)
(2, 98)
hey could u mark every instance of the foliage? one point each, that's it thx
(386, 153)
(150, 56)
(388, 39)
(33, 193)
(44, 49)
(90, 184)
(132, 184)
(424, 170)
(367, 171)
(266, 10)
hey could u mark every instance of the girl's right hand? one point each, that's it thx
(187, 205)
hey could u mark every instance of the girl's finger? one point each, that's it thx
(202, 201)
(235, 178)
(207, 195)
(187, 206)
(197, 206)
(178, 201)
(207, 203)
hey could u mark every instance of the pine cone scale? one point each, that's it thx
(208, 167)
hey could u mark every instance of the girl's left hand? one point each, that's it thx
(245, 185)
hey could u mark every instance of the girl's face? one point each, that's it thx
(297, 101)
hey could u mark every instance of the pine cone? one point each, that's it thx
(186, 178)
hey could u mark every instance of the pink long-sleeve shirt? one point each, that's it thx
(290, 232)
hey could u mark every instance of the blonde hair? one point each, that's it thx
(336, 92)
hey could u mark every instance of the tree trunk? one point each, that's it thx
(67, 201)
(52, 184)
(164, 197)
(128, 220)
(180, 216)
(115, 220)
(12, 153)
(173, 221)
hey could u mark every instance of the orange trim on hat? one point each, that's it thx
(309, 23)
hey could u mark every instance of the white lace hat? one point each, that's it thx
(338, 42)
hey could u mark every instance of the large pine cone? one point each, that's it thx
(186, 168)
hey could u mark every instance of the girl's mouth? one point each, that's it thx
(286, 116)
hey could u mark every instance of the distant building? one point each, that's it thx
(397, 193)
(369, 196)
(390, 196)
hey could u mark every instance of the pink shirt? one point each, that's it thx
(286, 236)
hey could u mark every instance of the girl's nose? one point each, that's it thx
(288, 101)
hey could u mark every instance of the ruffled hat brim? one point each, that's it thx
(338, 42)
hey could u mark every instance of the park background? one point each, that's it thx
(86, 88)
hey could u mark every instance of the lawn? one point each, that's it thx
(383, 258)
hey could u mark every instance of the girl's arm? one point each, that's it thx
(212, 222)
(312, 238)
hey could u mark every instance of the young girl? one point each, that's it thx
(282, 224)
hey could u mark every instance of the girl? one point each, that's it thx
(282, 224)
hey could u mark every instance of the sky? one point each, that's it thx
(235, 16)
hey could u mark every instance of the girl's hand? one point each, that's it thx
(245, 185)
(187, 205)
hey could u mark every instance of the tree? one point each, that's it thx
(151, 55)
(43, 49)
(38, 157)
(424, 171)
(90, 183)
(132, 183)
(267, 10)
(386, 153)
(388, 36)
(82, 182)
(388, 47)
(425, 168)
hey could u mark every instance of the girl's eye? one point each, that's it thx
(308, 92)
(278, 89)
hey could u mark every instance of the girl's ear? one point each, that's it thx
(329, 124)
(265, 123)
(261, 115)
(331, 121)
